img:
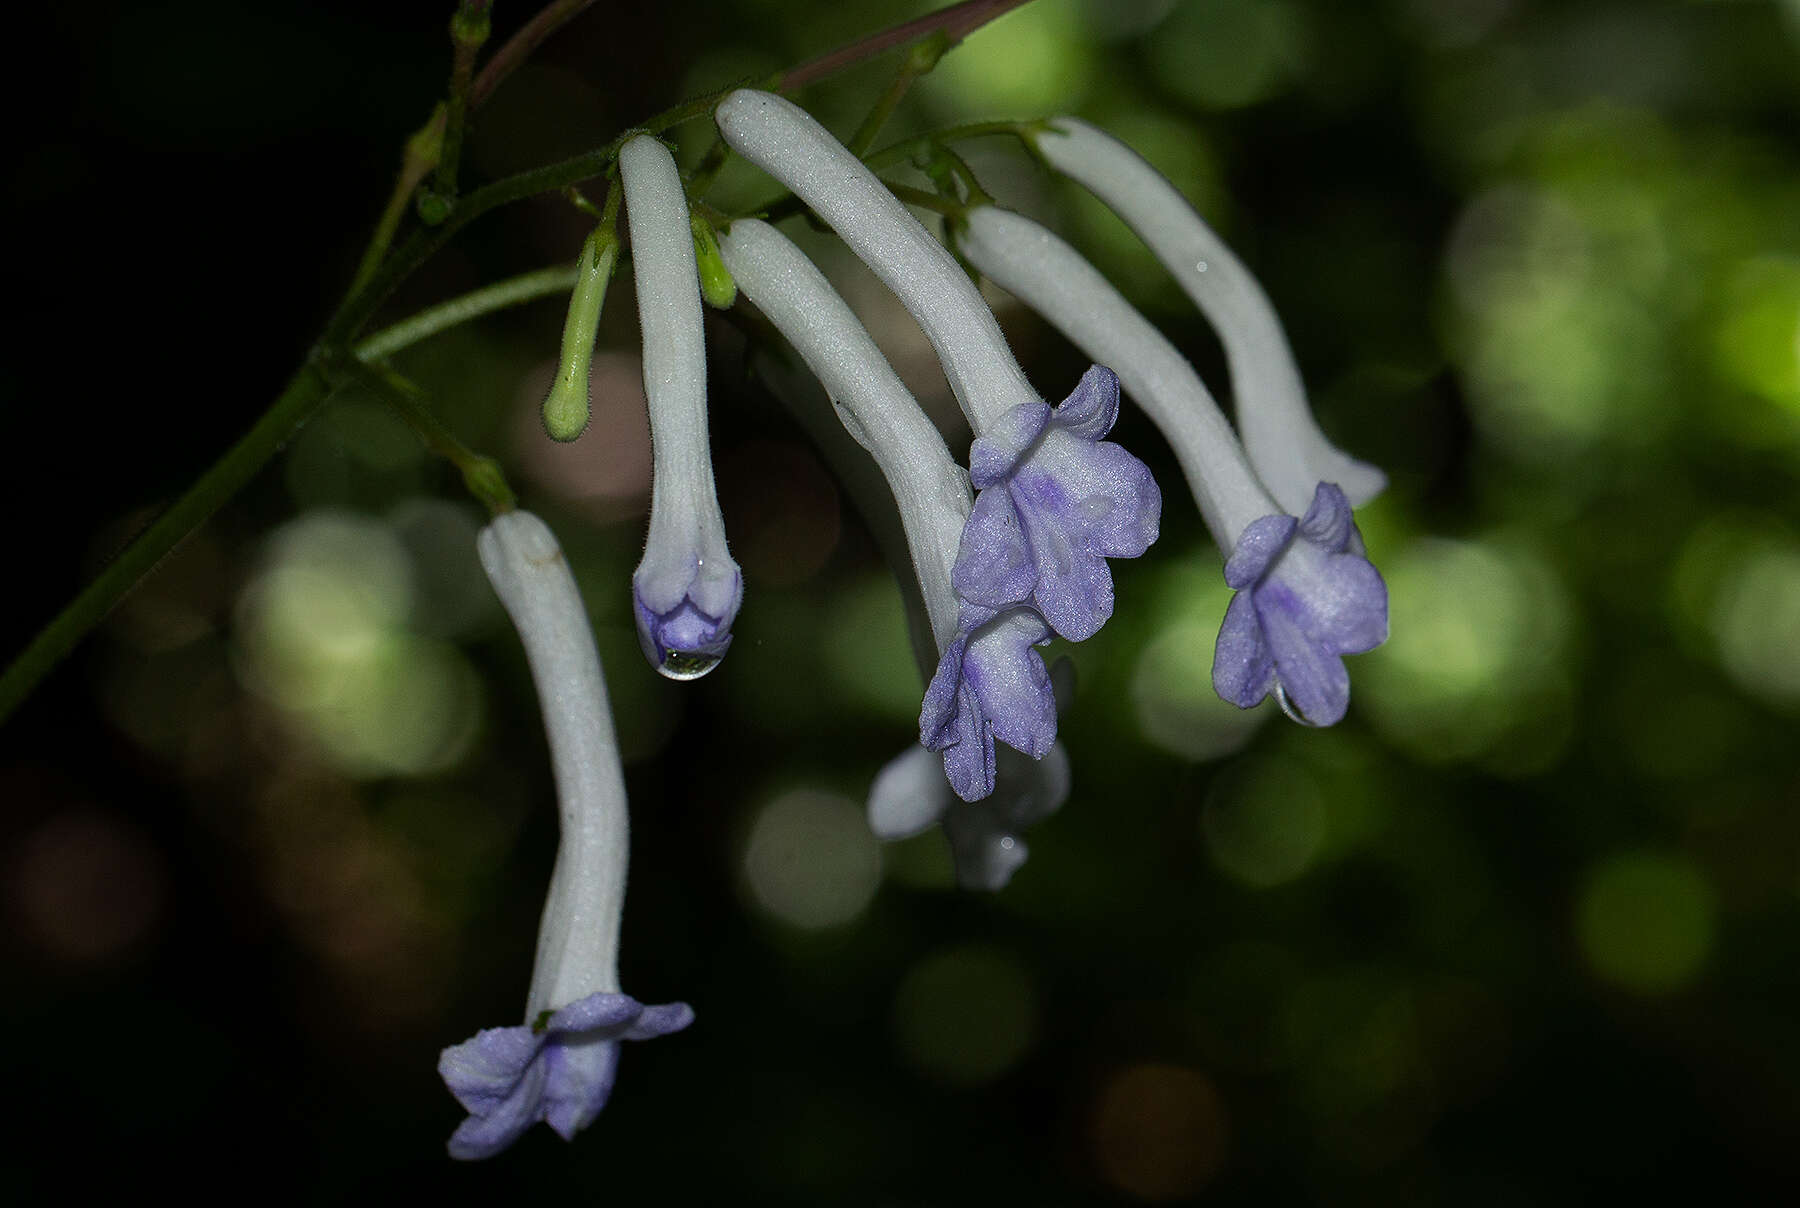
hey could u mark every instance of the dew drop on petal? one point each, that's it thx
(1290, 708)
(682, 665)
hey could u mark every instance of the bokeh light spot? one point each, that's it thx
(1757, 344)
(321, 632)
(810, 860)
(1479, 633)
(88, 886)
(1264, 826)
(1039, 60)
(1221, 54)
(867, 651)
(1160, 1132)
(1756, 622)
(1645, 920)
(965, 1016)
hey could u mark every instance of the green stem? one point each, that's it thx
(469, 30)
(930, 201)
(357, 309)
(539, 283)
(482, 475)
(918, 61)
(304, 395)
(906, 150)
(415, 165)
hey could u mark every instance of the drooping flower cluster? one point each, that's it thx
(1009, 554)
(1055, 500)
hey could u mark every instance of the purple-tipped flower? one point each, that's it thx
(558, 1066)
(1056, 501)
(1306, 596)
(687, 589)
(1340, 601)
(990, 683)
(559, 1070)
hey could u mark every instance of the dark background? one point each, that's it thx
(1523, 929)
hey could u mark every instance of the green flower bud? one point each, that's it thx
(716, 284)
(566, 408)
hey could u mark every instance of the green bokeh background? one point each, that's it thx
(1524, 929)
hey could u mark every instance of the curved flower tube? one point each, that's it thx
(783, 140)
(1306, 594)
(558, 1067)
(687, 589)
(1291, 455)
(933, 497)
(1007, 414)
(931, 490)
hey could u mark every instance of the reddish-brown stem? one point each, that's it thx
(957, 22)
(518, 48)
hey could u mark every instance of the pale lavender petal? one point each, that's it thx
(993, 563)
(485, 1069)
(997, 450)
(1311, 674)
(599, 1010)
(510, 1078)
(969, 757)
(1243, 667)
(1121, 505)
(660, 1020)
(579, 1082)
(1011, 683)
(688, 637)
(487, 1133)
(1261, 542)
(1351, 615)
(989, 683)
(1055, 501)
(1327, 522)
(1092, 408)
(1306, 596)
(939, 709)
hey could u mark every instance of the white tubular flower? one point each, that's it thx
(1052, 278)
(559, 1065)
(932, 492)
(687, 589)
(1291, 455)
(783, 140)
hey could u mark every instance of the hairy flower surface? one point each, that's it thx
(687, 589)
(1306, 596)
(559, 1068)
(1055, 502)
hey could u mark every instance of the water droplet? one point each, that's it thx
(1290, 708)
(1199, 266)
(681, 665)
